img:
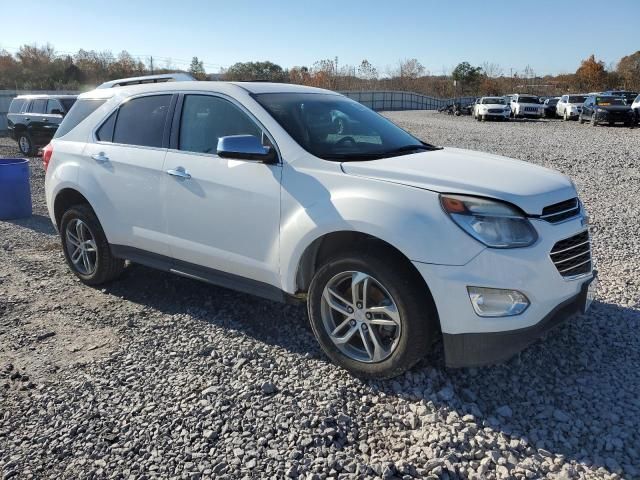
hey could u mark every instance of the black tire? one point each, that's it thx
(25, 144)
(594, 120)
(107, 267)
(418, 317)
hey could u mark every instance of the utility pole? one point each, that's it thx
(151, 64)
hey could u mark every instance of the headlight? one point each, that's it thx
(493, 223)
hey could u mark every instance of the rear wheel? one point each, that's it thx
(370, 317)
(25, 144)
(85, 247)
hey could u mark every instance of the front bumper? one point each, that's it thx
(477, 349)
(529, 270)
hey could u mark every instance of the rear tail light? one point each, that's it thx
(46, 156)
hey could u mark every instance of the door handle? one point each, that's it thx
(46, 120)
(100, 157)
(179, 172)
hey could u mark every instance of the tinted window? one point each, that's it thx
(52, 105)
(105, 132)
(205, 119)
(528, 100)
(16, 105)
(38, 106)
(577, 99)
(80, 110)
(141, 121)
(337, 128)
(67, 103)
(609, 101)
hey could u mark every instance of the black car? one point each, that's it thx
(606, 109)
(550, 107)
(33, 119)
(628, 96)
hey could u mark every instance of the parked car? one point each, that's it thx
(487, 108)
(392, 242)
(607, 109)
(570, 106)
(526, 106)
(33, 119)
(550, 107)
(636, 108)
(628, 96)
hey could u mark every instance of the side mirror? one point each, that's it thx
(56, 111)
(245, 147)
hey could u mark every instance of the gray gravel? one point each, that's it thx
(160, 376)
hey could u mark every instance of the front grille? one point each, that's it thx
(495, 110)
(561, 211)
(572, 256)
(531, 109)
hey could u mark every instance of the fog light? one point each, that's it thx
(496, 302)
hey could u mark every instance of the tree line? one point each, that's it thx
(35, 67)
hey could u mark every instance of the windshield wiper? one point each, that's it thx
(411, 148)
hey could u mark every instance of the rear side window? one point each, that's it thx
(52, 105)
(206, 118)
(38, 106)
(16, 105)
(105, 132)
(80, 110)
(141, 121)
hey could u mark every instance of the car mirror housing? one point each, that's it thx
(245, 147)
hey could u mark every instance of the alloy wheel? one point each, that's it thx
(23, 143)
(360, 317)
(81, 246)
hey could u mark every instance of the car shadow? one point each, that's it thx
(36, 222)
(559, 391)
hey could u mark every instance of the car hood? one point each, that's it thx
(453, 170)
(493, 105)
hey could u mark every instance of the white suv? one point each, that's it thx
(392, 242)
(570, 106)
(526, 106)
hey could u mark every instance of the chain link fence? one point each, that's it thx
(394, 100)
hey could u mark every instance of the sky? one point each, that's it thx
(550, 36)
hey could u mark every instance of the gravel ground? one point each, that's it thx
(161, 376)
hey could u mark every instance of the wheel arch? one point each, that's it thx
(66, 198)
(334, 243)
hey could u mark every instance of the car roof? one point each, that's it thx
(41, 95)
(209, 86)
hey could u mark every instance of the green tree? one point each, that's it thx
(248, 71)
(468, 76)
(197, 69)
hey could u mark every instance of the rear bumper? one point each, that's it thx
(477, 349)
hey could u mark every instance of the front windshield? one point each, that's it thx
(334, 127)
(608, 101)
(576, 99)
(528, 100)
(493, 101)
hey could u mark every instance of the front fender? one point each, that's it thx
(408, 218)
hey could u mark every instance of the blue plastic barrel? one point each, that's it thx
(15, 189)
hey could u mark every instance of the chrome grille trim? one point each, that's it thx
(572, 256)
(559, 212)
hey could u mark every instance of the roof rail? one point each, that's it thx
(165, 77)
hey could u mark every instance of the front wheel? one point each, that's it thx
(85, 247)
(371, 317)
